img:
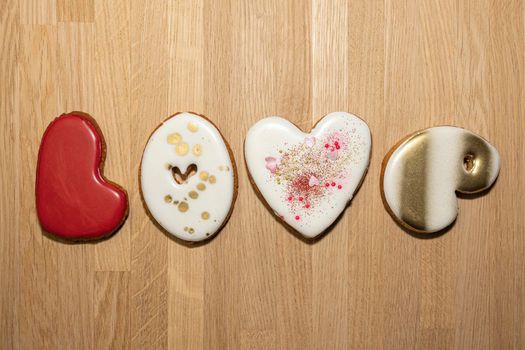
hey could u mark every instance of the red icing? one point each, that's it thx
(73, 200)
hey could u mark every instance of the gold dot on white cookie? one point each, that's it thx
(197, 150)
(182, 149)
(422, 174)
(193, 127)
(174, 138)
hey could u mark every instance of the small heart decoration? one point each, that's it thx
(308, 178)
(182, 178)
(73, 200)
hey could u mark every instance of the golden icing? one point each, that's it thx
(192, 127)
(412, 190)
(193, 195)
(478, 164)
(203, 175)
(174, 138)
(183, 207)
(197, 150)
(205, 215)
(182, 149)
(201, 186)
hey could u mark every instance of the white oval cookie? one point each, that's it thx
(308, 178)
(195, 207)
(422, 174)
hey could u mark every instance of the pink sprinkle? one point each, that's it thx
(327, 184)
(334, 155)
(307, 205)
(337, 146)
(339, 186)
(326, 145)
(290, 198)
(271, 164)
(309, 141)
(301, 199)
(313, 181)
(333, 184)
(297, 217)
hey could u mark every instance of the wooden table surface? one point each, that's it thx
(402, 65)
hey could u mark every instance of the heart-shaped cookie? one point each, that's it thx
(308, 178)
(73, 200)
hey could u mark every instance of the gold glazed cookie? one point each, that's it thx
(421, 175)
(188, 178)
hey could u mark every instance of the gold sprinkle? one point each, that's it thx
(212, 179)
(182, 149)
(197, 150)
(193, 195)
(204, 175)
(205, 215)
(168, 199)
(191, 230)
(192, 127)
(175, 202)
(183, 207)
(201, 186)
(174, 138)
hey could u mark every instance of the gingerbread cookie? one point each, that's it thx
(308, 178)
(73, 200)
(187, 177)
(422, 174)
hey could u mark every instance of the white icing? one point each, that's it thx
(157, 180)
(285, 162)
(442, 175)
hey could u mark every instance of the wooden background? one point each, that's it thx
(402, 65)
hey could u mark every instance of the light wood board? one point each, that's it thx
(402, 65)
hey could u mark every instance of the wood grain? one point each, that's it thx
(400, 65)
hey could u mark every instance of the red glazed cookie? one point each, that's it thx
(73, 200)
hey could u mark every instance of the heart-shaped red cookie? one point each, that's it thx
(73, 200)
